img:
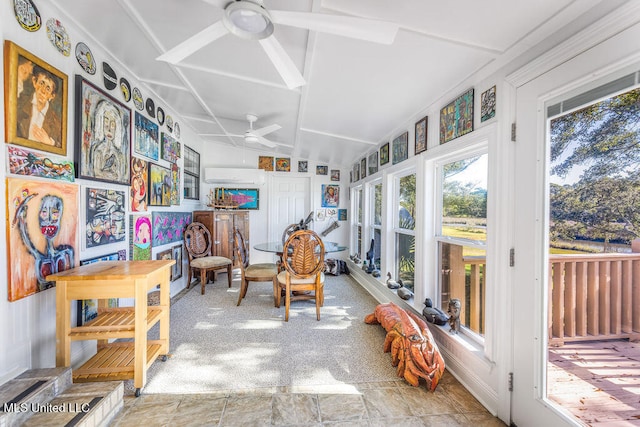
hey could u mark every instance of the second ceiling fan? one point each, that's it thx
(248, 19)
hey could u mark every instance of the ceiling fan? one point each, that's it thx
(252, 135)
(248, 19)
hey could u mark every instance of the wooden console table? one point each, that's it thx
(114, 279)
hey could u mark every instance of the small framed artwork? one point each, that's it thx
(342, 214)
(356, 172)
(105, 217)
(24, 72)
(303, 166)
(246, 198)
(384, 154)
(31, 163)
(330, 196)
(166, 254)
(373, 163)
(159, 185)
(283, 164)
(335, 174)
(103, 135)
(176, 269)
(146, 137)
(265, 163)
(421, 135)
(321, 215)
(400, 148)
(170, 148)
(175, 184)
(140, 237)
(139, 184)
(363, 167)
(88, 308)
(322, 170)
(456, 118)
(488, 104)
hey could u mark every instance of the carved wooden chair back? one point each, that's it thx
(287, 232)
(242, 252)
(197, 240)
(303, 254)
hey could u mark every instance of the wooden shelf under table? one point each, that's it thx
(115, 323)
(114, 361)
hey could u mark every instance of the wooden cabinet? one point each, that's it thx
(114, 279)
(220, 224)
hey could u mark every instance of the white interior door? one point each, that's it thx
(290, 203)
(530, 300)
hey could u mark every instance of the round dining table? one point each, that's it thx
(276, 247)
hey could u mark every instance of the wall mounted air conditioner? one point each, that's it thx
(234, 176)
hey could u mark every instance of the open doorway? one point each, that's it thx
(593, 366)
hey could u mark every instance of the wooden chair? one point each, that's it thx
(264, 272)
(303, 276)
(197, 240)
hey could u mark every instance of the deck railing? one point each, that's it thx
(594, 297)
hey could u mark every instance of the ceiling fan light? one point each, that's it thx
(248, 20)
(251, 139)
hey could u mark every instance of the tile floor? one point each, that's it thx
(393, 403)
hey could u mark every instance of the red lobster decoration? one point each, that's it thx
(413, 349)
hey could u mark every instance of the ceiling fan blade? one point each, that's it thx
(194, 43)
(264, 141)
(265, 130)
(383, 32)
(221, 134)
(218, 3)
(282, 62)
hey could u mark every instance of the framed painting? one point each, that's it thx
(103, 135)
(175, 184)
(488, 104)
(330, 195)
(42, 222)
(246, 198)
(22, 74)
(139, 185)
(169, 226)
(30, 163)
(159, 185)
(384, 154)
(456, 118)
(303, 166)
(421, 135)
(104, 217)
(88, 308)
(372, 160)
(170, 148)
(342, 214)
(400, 146)
(363, 167)
(166, 254)
(283, 164)
(146, 137)
(356, 172)
(335, 174)
(140, 237)
(265, 163)
(176, 269)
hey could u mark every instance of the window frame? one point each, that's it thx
(191, 169)
(395, 228)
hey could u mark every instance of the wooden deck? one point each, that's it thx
(598, 382)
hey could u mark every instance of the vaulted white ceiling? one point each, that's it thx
(358, 93)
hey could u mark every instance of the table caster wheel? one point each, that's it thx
(164, 358)
(138, 392)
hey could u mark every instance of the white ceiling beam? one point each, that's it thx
(343, 137)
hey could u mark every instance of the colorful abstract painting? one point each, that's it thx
(42, 240)
(88, 308)
(140, 237)
(488, 104)
(265, 163)
(246, 198)
(330, 196)
(400, 148)
(456, 118)
(170, 148)
(105, 217)
(168, 227)
(145, 137)
(283, 164)
(139, 185)
(175, 184)
(159, 185)
(29, 163)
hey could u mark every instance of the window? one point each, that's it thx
(462, 238)
(405, 239)
(191, 174)
(376, 222)
(357, 221)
